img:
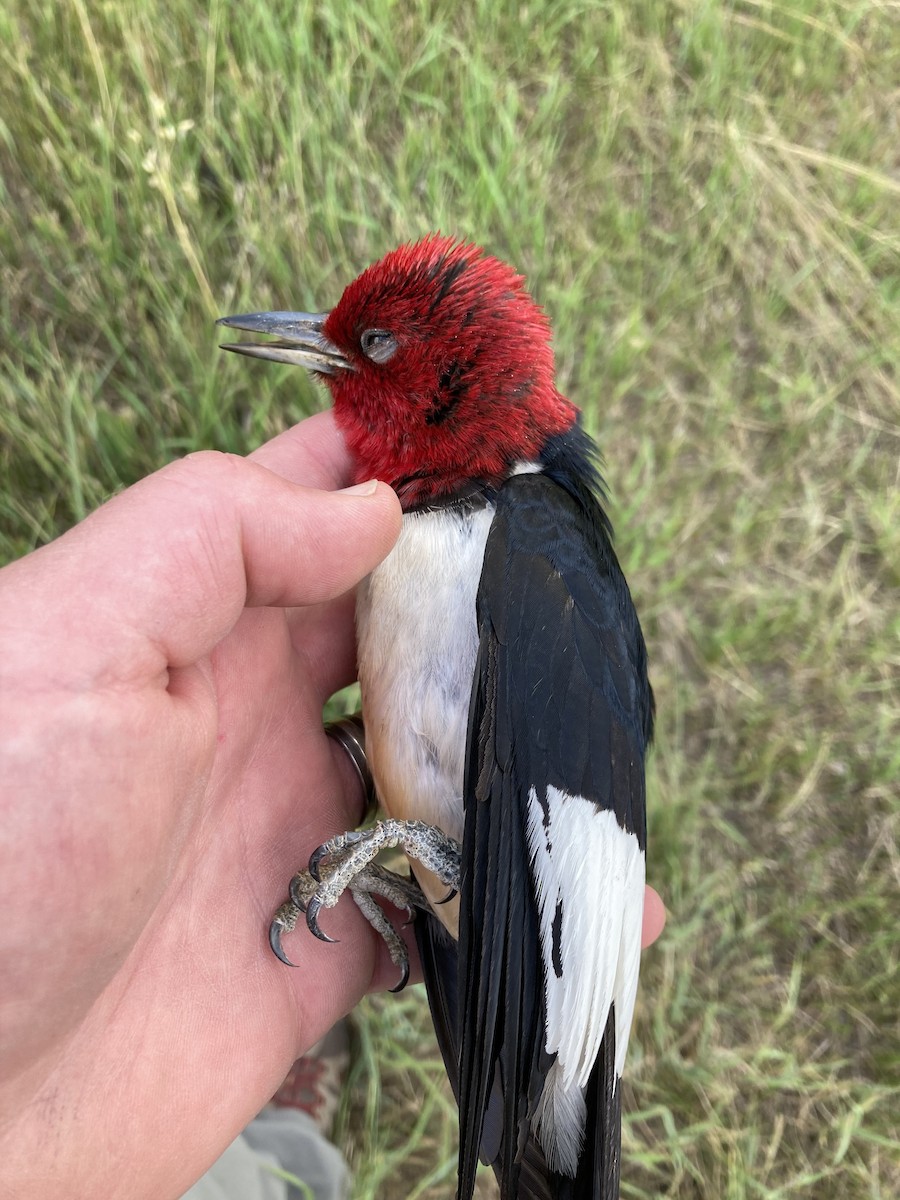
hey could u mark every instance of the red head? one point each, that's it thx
(440, 366)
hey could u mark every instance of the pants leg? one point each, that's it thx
(281, 1137)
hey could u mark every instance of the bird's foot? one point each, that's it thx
(346, 863)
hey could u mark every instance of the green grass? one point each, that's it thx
(705, 197)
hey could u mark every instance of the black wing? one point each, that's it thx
(561, 700)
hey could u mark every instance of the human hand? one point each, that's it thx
(165, 773)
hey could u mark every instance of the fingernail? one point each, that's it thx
(361, 489)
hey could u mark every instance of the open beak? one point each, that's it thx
(301, 341)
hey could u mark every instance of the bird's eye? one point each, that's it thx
(378, 344)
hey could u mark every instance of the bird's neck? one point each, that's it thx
(436, 463)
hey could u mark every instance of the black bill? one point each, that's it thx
(300, 340)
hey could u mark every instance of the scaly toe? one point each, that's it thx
(299, 893)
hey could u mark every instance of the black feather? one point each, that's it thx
(560, 697)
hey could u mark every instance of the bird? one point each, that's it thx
(507, 707)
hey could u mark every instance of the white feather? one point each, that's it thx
(417, 645)
(559, 1120)
(590, 868)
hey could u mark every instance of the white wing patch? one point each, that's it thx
(589, 876)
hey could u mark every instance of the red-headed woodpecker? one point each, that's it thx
(506, 704)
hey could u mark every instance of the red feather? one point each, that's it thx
(469, 389)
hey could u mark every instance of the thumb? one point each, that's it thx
(177, 557)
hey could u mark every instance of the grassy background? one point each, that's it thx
(705, 197)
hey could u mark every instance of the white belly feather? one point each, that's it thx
(417, 644)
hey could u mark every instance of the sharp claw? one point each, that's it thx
(410, 916)
(275, 931)
(450, 895)
(312, 920)
(404, 978)
(314, 859)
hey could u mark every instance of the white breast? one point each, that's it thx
(417, 644)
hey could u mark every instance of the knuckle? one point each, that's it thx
(207, 467)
